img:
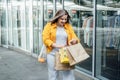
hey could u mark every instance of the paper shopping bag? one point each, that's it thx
(63, 55)
(43, 55)
(61, 66)
(76, 54)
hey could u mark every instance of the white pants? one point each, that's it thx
(54, 74)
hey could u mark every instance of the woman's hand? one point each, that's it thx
(73, 41)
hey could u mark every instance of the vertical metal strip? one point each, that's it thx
(11, 29)
(42, 22)
(42, 14)
(31, 25)
(54, 8)
(94, 38)
(25, 35)
(62, 4)
(6, 22)
(0, 19)
(47, 9)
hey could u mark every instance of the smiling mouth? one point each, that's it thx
(63, 23)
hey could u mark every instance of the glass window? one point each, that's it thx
(48, 10)
(27, 27)
(37, 26)
(14, 27)
(18, 24)
(108, 39)
(9, 24)
(3, 25)
(82, 22)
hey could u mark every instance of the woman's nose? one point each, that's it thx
(63, 20)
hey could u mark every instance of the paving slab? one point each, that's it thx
(20, 66)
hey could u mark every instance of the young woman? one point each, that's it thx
(58, 33)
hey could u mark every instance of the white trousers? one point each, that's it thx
(54, 74)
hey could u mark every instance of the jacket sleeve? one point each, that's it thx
(73, 34)
(46, 35)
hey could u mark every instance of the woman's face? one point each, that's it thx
(62, 20)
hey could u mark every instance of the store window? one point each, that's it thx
(35, 27)
(82, 22)
(50, 9)
(3, 22)
(9, 13)
(108, 40)
(39, 18)
(27, 23)
(18, 24)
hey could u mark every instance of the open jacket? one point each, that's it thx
(49, 34)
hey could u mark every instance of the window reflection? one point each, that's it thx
(3, 23)
(79, 14)
(108, 45)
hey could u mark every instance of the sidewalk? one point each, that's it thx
(20, 66)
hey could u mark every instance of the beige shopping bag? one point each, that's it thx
(43, 55)
(76, 54)
(61, 66)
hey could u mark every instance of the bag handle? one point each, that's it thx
(41, 52)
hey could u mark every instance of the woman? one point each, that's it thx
(58, 33)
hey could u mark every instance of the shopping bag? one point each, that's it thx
(42, 56)
(61, 66)
(76, 54)
(63, 55)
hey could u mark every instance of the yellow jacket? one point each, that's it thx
(49, 34)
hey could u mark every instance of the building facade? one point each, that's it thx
(96, 23)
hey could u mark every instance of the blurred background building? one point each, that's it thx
(96, 23)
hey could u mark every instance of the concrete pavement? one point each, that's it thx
(20, 66)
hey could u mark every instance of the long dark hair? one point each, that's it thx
(58, 14)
